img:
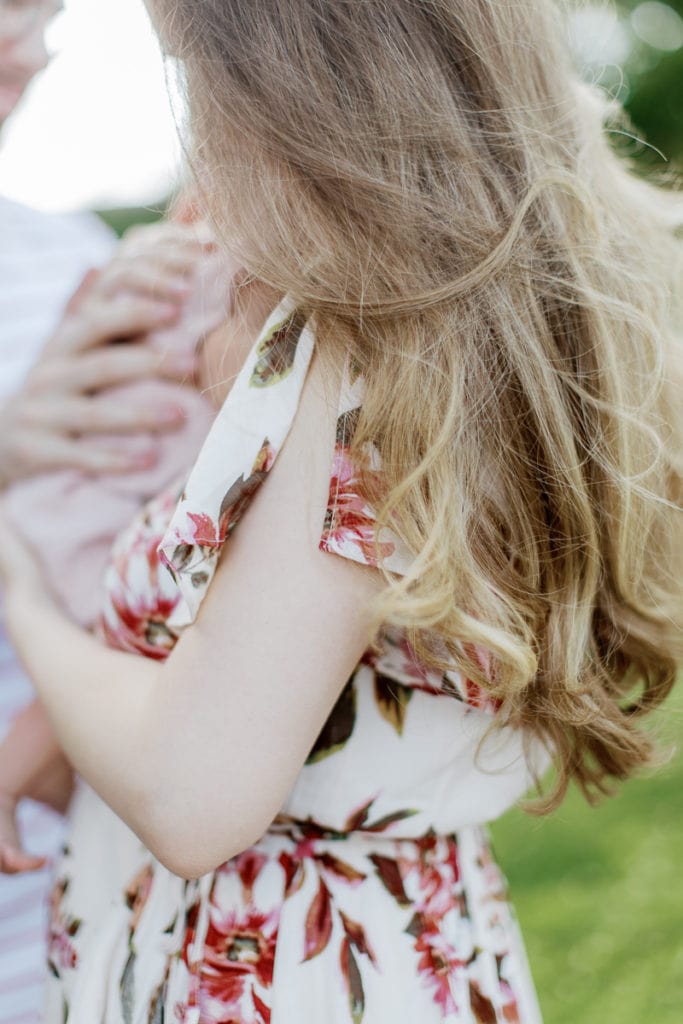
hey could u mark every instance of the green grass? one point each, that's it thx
(599, 894)
(120, 219)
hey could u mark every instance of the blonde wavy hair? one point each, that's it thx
(434, 185)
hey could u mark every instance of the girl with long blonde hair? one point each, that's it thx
(459, 329)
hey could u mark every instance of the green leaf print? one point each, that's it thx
(357, 937)
(157, 634)
(353, 981)
(171, 925)
(358, 817)
(338, 727)
(318, 926)
(389, 819)
(355, 370)
(483, 1009)
(276, 352)
(238, 498)
(392, 700)
(415, 926)
(126, 988)
(182, 556)
(156, 1006)
(389, 873)
(340, 868)
(346, 426)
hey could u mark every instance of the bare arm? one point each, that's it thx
(198, 754)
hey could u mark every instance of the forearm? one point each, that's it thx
(140, 749)
(94, 697)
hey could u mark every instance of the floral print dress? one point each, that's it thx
(373, 896)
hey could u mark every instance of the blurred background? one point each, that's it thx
(101, 120)
(99, 117)
(598, 891)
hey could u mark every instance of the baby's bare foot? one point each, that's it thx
(13, 859)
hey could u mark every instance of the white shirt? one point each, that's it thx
(43, 258)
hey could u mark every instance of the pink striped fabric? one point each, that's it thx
(23, 897)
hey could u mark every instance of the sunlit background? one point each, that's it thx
(99, 119)
(96, 129)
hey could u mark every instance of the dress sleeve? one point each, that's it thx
(349, 531)
(349, 525)
(237, 455)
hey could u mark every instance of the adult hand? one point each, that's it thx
(64, 397)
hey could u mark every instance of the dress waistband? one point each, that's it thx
(306, 830)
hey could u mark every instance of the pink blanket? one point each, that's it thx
(71, 518)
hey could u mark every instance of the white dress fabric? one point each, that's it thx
(373, 896)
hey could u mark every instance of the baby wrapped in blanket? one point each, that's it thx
(71, 518)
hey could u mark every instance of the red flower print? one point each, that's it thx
(61, 951)
(430, 882)
(239, 955)
(438, 960)
(204, 530)
(475, 695)
(62, 954)
(248, 866)
(137, 892)
(140, 625)
(139, 597)
(348, 520)
(421, 677)
(294, 873)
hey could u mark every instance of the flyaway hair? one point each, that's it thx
(435, 187)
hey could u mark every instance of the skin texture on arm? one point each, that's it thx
(197, 755)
